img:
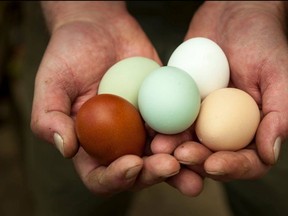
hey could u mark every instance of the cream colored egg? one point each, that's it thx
(126, 76)
(228, 120)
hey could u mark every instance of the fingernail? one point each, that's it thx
(216, 173)
(187, 162)
(58, 140)
(133, 172)
(171, 174)
(276, 148)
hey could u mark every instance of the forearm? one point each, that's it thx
(234, 6)
(57, 13)
(233, 9)
(222, 16)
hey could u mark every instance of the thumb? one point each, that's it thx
(273, 129)
(270, 137)
(50, 118)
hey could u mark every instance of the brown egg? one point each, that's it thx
(108, 127)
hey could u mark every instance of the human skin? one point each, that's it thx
(253, 36)
(86, 41)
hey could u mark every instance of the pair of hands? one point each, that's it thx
(86, 40)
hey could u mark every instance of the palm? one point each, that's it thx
(255, 44)
(76, 58)
(84, 53)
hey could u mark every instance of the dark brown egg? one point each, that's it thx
(108, 126)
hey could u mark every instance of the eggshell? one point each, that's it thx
(108, 127)
(126, 76)
(169, 100)
(205, 61)
(228, 120)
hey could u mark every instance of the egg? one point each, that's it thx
(228, 120)
(205, 61)
(126, 76)
(169, 100)
(108, 126)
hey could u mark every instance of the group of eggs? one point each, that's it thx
(191, 89)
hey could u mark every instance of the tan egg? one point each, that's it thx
(228, 120)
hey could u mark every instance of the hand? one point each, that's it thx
(85, 42)
(189, 180)
(252, 34)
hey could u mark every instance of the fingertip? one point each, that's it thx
(133, 172)
(187, 182)
(58, 129)
(126, 167)
(160, 145)
(191, 153)
(118, 176)
(66, 145)
(162, 165)
(59, 142)
(277, 148)
(269, 138)
(229, 165)
(157, 168)
(163, 143)
(129, 161)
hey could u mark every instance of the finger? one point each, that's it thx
(119, 176)
(228, 165)
(50, 118)
(270, 137)
(163, 143)
(157, 168)
(191, 153)
(273, 129)
(187, 182)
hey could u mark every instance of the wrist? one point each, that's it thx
(231, 9)
(222, 20)
(59, 13)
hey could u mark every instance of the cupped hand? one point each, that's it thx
(82, 47)
(253, 36)
(190, 154)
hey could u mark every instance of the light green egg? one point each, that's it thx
(169, 100)
(126, 76)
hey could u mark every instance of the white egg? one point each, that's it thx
(205, 61)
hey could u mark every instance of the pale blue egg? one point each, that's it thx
(169, 100)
